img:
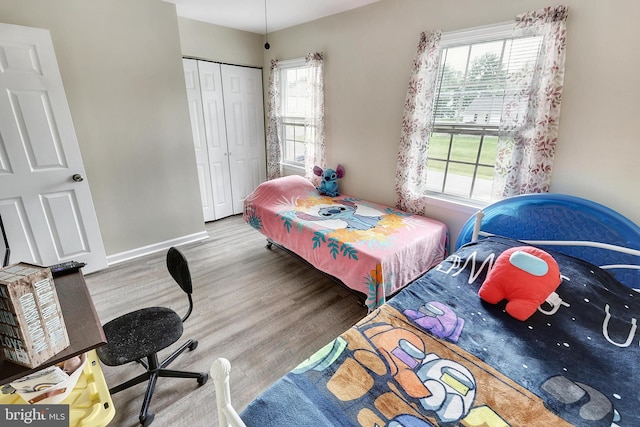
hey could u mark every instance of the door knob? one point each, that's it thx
(77, 177)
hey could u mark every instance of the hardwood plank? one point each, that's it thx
(264, 310)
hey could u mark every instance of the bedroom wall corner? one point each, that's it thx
(220, 44)
(122, 71)
(369, 52)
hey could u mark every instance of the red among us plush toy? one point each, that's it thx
(525, 276)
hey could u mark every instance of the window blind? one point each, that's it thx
(479, 73)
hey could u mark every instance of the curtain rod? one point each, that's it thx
(223, 63)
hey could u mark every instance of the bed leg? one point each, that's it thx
(269, 244)
(227, 415)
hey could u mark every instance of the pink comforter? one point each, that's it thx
(371, 248)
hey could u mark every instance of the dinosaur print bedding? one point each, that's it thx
(437, 355)
(373, 249)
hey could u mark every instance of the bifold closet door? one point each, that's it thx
(206, 107)
(216, 133)
(227, 119)
(244, 118)
(194, 96)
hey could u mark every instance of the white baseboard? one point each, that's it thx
(156, 247)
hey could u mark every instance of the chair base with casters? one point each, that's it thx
(142, 348)
(138, 336)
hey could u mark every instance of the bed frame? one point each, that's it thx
(362, 298)
(589, 230)
(568, 224)
(372, 249)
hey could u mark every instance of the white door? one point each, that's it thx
(45, 201)
(245, 130)
(194, 97)
(215, 129)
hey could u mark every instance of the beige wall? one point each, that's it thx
(120, 63)
(368, 55)
(121, 66)
(220, 44)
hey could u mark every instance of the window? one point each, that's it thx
(295, 125)
(473, 85)
(296, 107)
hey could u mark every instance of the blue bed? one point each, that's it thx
(567, 224)
(437, 354)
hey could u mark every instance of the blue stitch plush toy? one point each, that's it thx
(329, 184)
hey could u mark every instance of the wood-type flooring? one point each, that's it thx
(262, 309)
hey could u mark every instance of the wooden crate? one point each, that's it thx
(32, 328)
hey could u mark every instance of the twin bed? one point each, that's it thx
(437, 354)
(372, 249)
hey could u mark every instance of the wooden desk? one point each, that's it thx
(83, 325)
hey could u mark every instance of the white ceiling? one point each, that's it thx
(249, 15)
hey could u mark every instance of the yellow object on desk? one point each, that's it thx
(90, 403)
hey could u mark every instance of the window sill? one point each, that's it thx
(468, 207)
(288, 167)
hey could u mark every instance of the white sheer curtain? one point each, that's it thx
(417, 123)
(314, 147)
(526, 147)
(315, 151)
(274, 124)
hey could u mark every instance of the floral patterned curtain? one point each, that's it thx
(274, 121)
(417, 122)
(314, 153)
(526, 146)
(314, 149)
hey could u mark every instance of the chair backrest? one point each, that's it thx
(7, 249)
(179, 269)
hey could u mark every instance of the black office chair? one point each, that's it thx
(7, 249)
(143, 333)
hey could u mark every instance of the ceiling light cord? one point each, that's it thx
(266, 35)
